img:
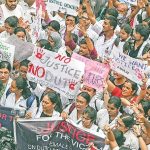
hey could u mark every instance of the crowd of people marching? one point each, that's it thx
(121, 113)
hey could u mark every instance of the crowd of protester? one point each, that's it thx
(121, 113)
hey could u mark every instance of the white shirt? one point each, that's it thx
(131, 140)
(103, 47)
(20, 104)
(98, 27)
(141, 49)
(4, 36)
(28, 10)
(73, 114)
(96, 103)
(3, 98)
(103, 119)
(18, 11)
(38, 115)
(92, 34)
(93, 128)
(119, 47)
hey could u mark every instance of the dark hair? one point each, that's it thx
(112, 11)
(143, 31)
(24, 62)
(112, 21)
(116, 101)
(55, 99)
(86, 96)
(19, 29)
(5, 64)
(91, 112)
(127, 28)
(119, 136)
(21, 84)
(75, 18)
(45, 44)
(12, 21)
(146, 106)
(55, 25)
(128, 120)
(134, 85)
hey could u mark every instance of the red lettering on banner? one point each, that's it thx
(38, 71)
(90, 138)
(81, 136)
(65, 59)
(64, 127)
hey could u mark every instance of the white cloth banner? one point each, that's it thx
(60, 73)
(7, 52)
(131, 68)
(64, 6)
(23, 50)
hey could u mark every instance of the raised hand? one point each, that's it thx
(70, 28)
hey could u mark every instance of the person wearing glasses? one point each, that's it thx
(88, 119)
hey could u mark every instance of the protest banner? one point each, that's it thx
(6, 118)
(54, 134)
(64, 6)
(23, 50)
(40, 3)
(95, 72)
(60, 73)
(7, 52)
(130, 67)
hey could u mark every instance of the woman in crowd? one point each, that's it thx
(55, 41)
(75, 110)
(117, 79)
(21, 98)
(44, 44)
(125, 124)
(88, 120)
(114, 138)
(111, 113)
(141, 112)
(20, 32)
(128, 91)
(48, 104)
